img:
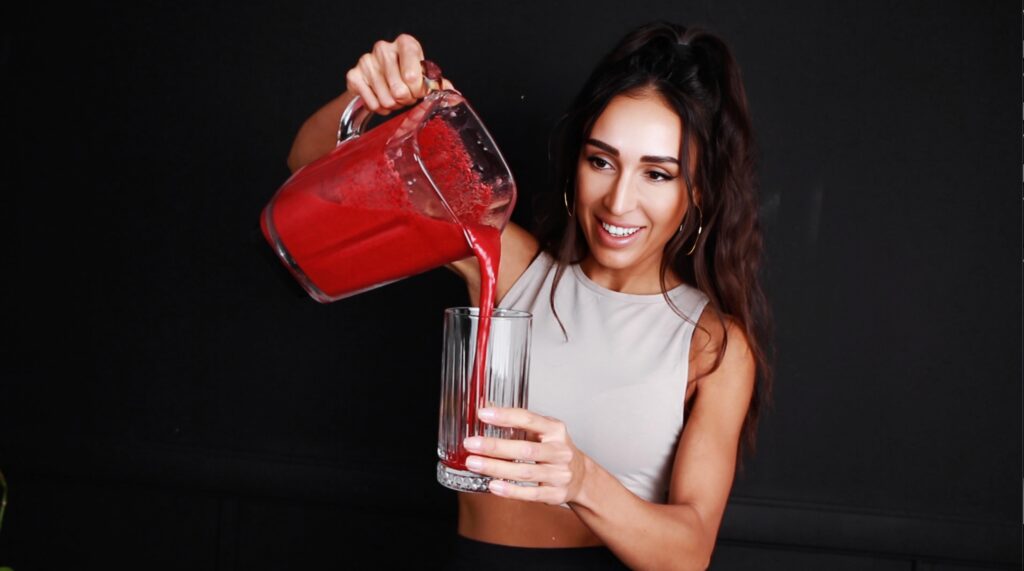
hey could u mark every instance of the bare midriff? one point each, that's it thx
(489, 518)
(492, 519)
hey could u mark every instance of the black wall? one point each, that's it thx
(171, 399)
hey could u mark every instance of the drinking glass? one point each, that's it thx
(505, 385)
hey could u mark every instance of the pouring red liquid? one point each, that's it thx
(347, 223)
(486, 243)
(353, 227)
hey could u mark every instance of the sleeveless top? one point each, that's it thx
(619, 383)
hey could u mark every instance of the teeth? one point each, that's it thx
(617, 231)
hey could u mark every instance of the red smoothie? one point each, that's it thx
(350, 224)
(486, 243)
(348, 221)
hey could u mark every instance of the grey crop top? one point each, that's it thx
(620, 381)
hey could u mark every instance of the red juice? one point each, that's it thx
(452, 171)
(350, 224)
(486, 244)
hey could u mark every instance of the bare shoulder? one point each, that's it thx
(709, 335)
(705, 462)
(518, 249)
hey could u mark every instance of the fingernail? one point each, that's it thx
(474, 463)
(498, 487)
(473, 442)
(486, 413)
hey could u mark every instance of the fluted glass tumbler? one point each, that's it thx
(505, 384)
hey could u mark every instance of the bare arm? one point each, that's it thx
(518, 248)
(681, 534)
(319, 134)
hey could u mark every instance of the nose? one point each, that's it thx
(621, 198)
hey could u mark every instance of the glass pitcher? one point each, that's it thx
(393, 201)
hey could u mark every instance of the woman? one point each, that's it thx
(651, 250)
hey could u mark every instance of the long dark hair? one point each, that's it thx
(696, 74)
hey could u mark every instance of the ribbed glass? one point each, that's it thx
(506, 385)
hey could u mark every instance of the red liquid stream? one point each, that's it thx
(486, 244)
(451, 168)
(347, 221)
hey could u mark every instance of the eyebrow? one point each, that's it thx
(644, 159)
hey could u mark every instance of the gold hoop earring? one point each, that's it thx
(565, 199)
(700, 226)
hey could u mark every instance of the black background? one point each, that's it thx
(171, 398)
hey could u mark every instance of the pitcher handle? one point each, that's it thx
(356, 116)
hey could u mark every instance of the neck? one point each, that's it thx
(638, 281)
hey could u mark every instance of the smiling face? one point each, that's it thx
(630, 193)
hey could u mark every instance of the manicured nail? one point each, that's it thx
(473, 442)
(474, 463)
(498, 487)
(486, 413)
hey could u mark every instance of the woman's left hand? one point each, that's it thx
(558, 468)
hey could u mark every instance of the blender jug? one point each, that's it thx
(393, 201)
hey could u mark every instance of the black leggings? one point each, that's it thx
(472, 554)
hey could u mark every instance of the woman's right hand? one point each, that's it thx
(390, 77)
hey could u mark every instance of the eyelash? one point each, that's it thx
(664, 177)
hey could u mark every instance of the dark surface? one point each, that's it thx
(173, 400)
